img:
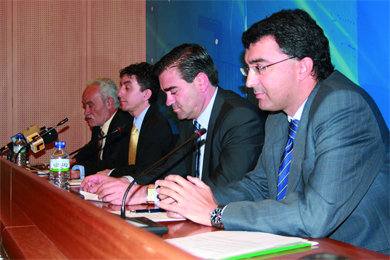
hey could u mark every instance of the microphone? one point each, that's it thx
(120, 129)
(38, 139)
(8, 146)
(32, 132)
(29, 130)
(195, 135)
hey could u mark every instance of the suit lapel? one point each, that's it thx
(277, 138)
(188, 130)
(298, 156)
(111, 128)
(142, 133)
(216, 110)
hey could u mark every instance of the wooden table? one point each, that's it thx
(39, 220)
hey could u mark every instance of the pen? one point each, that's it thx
(147, 210)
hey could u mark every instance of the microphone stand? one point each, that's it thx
(118, 129)
(197, 134)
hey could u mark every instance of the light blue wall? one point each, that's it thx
(358, 32)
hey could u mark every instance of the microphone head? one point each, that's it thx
(63, 122)
(201, 132)
(124, 128)
(49, 136)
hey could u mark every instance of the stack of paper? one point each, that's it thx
(237, 244)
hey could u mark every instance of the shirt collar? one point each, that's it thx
(298, 114)
(204, 118)
(138, 121)
(106, 125)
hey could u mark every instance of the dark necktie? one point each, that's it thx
(285, 163)
(100, 144)
(197, 127)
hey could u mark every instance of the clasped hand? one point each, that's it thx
(110, 189)
(190, 198)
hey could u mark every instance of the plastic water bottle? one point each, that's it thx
(19, 151)
(60, 166)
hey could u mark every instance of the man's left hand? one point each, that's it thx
(190, 198)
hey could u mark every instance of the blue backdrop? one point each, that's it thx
(358, 32)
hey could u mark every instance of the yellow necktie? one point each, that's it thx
(133, 145)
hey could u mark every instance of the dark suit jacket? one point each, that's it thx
(339, 176)
(116, 149)
(234, 140)
(155, 140)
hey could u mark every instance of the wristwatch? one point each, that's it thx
(216, 216)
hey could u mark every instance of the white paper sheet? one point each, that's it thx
(225, 244)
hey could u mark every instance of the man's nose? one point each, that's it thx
(86, 111)
(170, 100)
(120, 93)
(252, 79)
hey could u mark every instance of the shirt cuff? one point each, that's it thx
(110, 172)
(223, 209)
(129, 178)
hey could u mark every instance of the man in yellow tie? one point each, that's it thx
(151, 134)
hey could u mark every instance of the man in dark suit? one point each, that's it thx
(101, 103)
(336, 183)
(234, 126)
(138, 95)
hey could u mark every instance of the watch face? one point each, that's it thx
(216, 215)
(215, 218)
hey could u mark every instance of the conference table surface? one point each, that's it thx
(28, 204)
(326, 249)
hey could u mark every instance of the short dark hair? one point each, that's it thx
(190, 59)
(145, 77)
(297, 35)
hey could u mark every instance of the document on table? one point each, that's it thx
(237, 244)
(155, 216)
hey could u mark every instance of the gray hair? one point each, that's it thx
(107, 89)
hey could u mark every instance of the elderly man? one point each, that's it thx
(101, 111)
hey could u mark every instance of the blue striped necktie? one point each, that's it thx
(197, 163)
(285, 163)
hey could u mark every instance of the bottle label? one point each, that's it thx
(18, 147)
(59, 165)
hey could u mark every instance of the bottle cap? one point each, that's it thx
(59, 144)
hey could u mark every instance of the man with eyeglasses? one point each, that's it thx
(324, 168)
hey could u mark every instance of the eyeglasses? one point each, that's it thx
(260, 69)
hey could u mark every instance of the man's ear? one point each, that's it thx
(305, 68)
(110, 102)
(147, 94)
(201, 81)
